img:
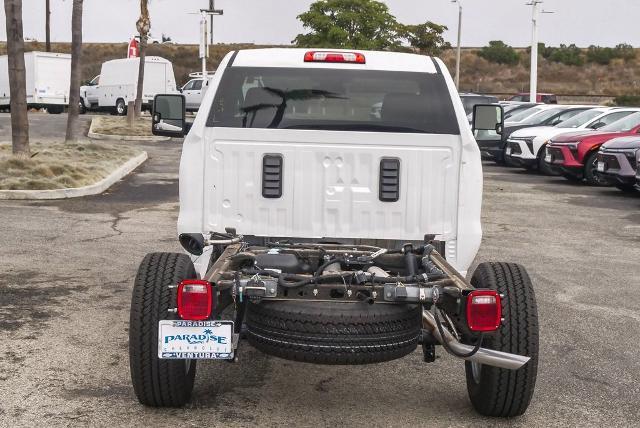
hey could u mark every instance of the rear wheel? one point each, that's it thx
(501, 392)
(333, 333)
(156, 382)
(55, 109)
(121, 107)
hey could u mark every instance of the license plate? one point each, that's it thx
(195, 340)
(548, 158)
(508, 151)
(601, 166)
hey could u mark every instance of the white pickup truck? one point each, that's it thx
(195, 89)
(326, 234)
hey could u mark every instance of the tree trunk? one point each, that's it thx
(74, 86)
(142, 25)
(47, 25)
(143, 53)
(17, 79)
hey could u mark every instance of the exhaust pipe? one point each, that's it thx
(485, 356)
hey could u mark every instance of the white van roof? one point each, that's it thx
(147, 59)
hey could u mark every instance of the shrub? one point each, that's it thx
(627, 100)
(603, 56)
(567, 55)
(500, 53)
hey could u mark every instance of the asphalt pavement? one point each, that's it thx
(66, 274)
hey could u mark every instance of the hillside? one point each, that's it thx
(477, 74)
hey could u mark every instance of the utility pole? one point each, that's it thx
(459, 41)
(205, 15)
(533, 85)
(47, 26)
(212, 6)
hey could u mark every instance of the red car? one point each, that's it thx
(574, 154)
(540, 98)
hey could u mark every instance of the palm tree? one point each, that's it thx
(143, 25)
(74, 85)
(17, 79)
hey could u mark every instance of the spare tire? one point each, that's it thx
(333, 333)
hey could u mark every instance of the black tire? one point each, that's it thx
(121, 107)
(55, 109)
(572, 178)
(156, 382)
(333, 333)
(501, 392)
(627, 188)
(590, 171)
(83, 108)
(543, 167)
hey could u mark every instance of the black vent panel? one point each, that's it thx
(272, 176)
(389, 180)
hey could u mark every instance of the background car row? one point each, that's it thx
(593, 144)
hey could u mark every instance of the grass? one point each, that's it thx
(115, 125)
(60, 165)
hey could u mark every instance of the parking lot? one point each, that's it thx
(68, 266)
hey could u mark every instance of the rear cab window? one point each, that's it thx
(340, 99)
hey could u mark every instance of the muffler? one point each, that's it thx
(489, 357)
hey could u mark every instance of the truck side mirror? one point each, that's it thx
(488, 117)
(169, 115)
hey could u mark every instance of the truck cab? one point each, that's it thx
(89, 93)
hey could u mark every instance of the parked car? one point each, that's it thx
(619, 162)
(195, 89)
(574, 154)
(524, 114)
(299, 156)
(540, 97)
(48, 75)
(526, 147)
(511, 108)
(469, 100)
(118, 80)
(548, 115)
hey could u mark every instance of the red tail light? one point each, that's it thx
(194, 300)
(327, 56)
(483, 310)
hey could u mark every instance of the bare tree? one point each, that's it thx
(143, 25)
(47, 25)
(17, 79)
(74, 85)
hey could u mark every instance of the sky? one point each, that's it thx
(583, 22)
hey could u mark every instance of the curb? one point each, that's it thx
(97, 136)
(76, 192)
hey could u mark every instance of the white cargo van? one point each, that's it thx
(119, 79)
(48, 75)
